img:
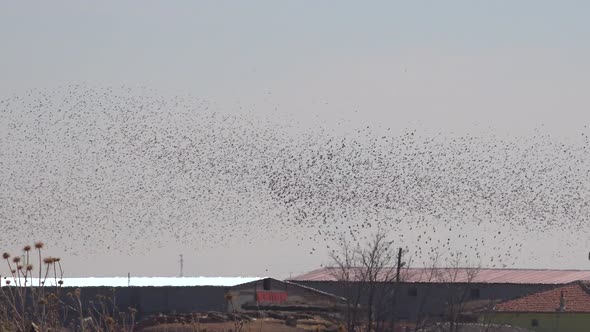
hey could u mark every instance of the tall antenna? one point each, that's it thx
(181, 266)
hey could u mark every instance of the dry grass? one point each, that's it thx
(41, 305)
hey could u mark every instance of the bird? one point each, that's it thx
(127, 170)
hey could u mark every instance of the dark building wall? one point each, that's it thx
(415, 301)
(412, 300)
(154, 300)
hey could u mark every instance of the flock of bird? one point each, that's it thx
(125, 170)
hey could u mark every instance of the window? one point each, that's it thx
(413, 291)
(266, 284)
(534, 322)
(474, 293)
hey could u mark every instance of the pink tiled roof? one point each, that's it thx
(447, 275)
(575, 299)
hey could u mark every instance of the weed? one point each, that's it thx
(40, 305)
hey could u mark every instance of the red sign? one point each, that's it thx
(271, 297)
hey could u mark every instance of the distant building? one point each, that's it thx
(147, 281)
(425, 295)
(565, 308)
(153, 295)
(160, 295)
(458, 275)
(273, 294)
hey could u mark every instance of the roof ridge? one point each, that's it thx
(313, 289)
(464, 267)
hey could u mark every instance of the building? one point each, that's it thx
(425, 295)
(150, 295)
(144, 281)
(462, 275)
(565, 308)
(273, 294)
(163, 295)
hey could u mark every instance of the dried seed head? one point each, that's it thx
(38, 245)
(42, 301)
(13, 271)
(19, 267)
(29, 267)
(16, 259)
(6, 255)
(61, 282)
(228, 297)
(48, 260)
(56, 259)
(27, 248)
(8, 282)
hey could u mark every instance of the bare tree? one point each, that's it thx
(455, 283)
(377, 265)
(369, 274)
(459, 275)
(344, 270)
(387, 296)
(422, 318)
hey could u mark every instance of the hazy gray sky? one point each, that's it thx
(465, 62)
(507, 65)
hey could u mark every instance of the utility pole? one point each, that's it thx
(181, 266)
(399, 265)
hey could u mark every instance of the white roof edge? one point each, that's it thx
(139, 281)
